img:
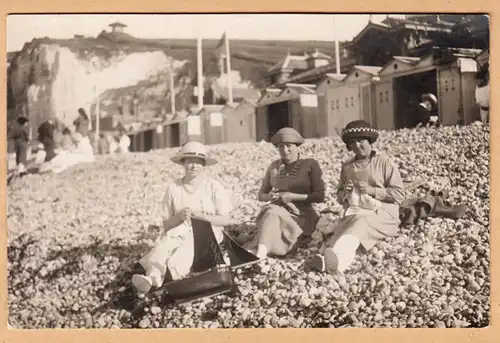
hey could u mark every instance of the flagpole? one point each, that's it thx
(200, 75)
(98, 117)
(228, 63)
(337, 53)
(172, 91)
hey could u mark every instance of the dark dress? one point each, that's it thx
(46, 137)
(20, 136)
(304, 176)
(82, 126)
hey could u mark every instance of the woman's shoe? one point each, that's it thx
(331, 261)
(142, 284)
(318, 263)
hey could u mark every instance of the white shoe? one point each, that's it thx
(331, 261)
(142, 284)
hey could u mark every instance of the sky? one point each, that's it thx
(23, 28)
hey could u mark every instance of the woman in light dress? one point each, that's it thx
(195, 195)
(124, 142)
(370, 189)
(81, 150)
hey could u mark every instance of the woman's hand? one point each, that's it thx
(287, 197)
(198, 216)
(184, 215)
(349, 186)
(365, 189)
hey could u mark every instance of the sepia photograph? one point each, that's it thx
(248, 170)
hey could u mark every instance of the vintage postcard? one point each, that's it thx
(306, 170)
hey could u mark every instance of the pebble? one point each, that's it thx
(422, 270)
(155, 310)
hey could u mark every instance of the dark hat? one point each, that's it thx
(359, 129)
(287, 135)
(21, 120)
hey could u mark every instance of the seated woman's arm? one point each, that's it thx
(394, 191)
(341, 193)
(317, 194)
(170, 220)
(265, 194)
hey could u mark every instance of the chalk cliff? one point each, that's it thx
(50, 77)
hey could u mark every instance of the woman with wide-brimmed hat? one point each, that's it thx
(370, 189)
(195, 195)
(291, 185)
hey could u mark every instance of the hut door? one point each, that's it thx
(175, 136)
(277, 117)
(148, 140)
(365, 104)
(449, 96)
(335, 110)
(384, 105)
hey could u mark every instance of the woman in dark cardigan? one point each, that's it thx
(290, 186)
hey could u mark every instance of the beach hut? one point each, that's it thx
(449, 74)
(212, 124)
(328, 121)
(295, 106)
(347, 97)
(239, 123)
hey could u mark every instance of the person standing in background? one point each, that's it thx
(20, 136)
(124, 144)
(103, 144)
(82, 123)
(112, 143)
(46, 137)
(483, 94)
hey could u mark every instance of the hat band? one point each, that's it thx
(194, 154)
(358, 130)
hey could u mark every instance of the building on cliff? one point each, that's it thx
(117, 27)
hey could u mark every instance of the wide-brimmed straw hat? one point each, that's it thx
(193, 149)
(359, 129)
(287, 135)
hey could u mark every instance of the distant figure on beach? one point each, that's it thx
(20, 136)
(46, 137)
(124, 144)
(483, 95)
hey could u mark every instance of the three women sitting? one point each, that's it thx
(370, 188)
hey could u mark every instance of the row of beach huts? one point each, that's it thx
(384, 96)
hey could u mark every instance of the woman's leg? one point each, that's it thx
(342, 254)
(340, 250)
(269, 232)
(155, 263)
(21, 155)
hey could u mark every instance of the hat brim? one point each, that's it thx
(208, 160)
(370, 136)
(287, 139)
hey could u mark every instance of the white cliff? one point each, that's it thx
(51, 79)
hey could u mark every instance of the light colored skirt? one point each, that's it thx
(367, 225)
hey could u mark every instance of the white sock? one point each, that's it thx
(345, 249)
(261, 251)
